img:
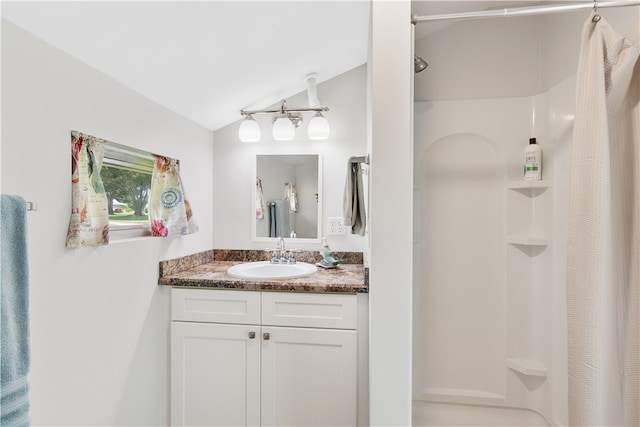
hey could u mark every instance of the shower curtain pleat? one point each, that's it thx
(603, 260)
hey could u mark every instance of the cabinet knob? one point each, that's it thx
(252, 335)
(266, 336)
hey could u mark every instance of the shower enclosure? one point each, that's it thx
(489, 248)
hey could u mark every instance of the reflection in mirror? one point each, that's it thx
(287, 203)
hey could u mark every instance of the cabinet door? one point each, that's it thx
(215, 374)
(309, 377)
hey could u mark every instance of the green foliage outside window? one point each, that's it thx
(129, 187)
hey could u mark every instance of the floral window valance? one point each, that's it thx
(89, 223)
(169, 211)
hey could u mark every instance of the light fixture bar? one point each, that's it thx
(283, 109)
(285, 121)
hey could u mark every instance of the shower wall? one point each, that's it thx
(489, 319)
(489, 249)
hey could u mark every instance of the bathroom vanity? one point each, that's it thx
(285, 352)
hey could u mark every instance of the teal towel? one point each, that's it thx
(14, 313)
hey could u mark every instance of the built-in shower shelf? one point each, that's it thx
(526, 240)
(529, 188)
(528, 367)
(516, 185)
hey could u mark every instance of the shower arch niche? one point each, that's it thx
(460, 295)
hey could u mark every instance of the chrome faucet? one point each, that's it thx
(279, 253)
(280, 246)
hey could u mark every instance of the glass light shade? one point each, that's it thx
(249, 130)
(283, 128)
(318, 127)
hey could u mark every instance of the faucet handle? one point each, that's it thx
(273, 252)
(291, 257)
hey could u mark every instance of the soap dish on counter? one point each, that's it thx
(327, 266)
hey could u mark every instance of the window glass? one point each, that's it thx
(126, 175)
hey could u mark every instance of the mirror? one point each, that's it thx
(287, 190)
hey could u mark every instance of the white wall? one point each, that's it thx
(505, 57)
(99, 321)
(485, 58)
(233, 164)
(560, 36)
(391, 177)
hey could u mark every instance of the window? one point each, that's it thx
(133, 189)
(126, 175)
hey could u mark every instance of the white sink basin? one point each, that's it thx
(264, 270)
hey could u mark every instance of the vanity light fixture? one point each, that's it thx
(249, 130)
(318, 127)
(285, 121)
(283, 128)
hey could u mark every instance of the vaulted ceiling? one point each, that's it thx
(207, 60)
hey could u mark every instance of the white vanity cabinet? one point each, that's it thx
(215, 358)
(263, 358)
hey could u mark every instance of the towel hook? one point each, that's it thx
(596, 17)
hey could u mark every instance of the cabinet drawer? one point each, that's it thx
(309, 310)
(220, 306)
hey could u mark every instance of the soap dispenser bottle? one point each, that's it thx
(532, 161)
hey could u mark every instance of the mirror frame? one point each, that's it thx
(254, 237)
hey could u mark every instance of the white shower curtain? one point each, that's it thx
(604, 232)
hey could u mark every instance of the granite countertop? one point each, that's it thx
(208, 270)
